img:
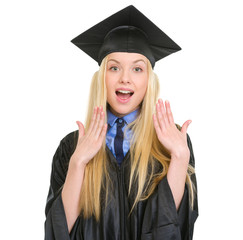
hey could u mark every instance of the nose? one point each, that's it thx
(125, 76)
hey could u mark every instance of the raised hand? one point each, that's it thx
(90, 142)
(174, 140)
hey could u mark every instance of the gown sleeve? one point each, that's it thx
(55, 223)
(162, 220)
(187, 215)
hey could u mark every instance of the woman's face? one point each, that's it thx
(126, 81)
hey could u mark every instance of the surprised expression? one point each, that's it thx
(126, 81)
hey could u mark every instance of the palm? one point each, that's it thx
(89, 143)
(174, 140)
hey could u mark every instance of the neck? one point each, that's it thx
(120, 115)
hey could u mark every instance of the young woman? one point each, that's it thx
(129, 173)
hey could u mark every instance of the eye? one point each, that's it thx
(114, 68)
(137, 69)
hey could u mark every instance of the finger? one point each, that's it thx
(81, 131)
(156, 125)
(96, 123)
(100, 124)
(160, 118)
(169, 113)
(163, 111)
(185, 126)
(103, 132)
(92, 121)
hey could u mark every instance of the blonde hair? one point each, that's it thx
(146, 150)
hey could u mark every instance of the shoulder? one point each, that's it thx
(64, 151)
(70, 138)
(68, 142)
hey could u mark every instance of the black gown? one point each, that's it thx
(155, 218)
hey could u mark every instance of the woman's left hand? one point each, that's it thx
(174, 140)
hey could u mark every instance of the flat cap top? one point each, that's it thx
(141, 36)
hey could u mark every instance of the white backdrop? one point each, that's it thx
(44, 90)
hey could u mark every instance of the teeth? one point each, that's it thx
(124, 92)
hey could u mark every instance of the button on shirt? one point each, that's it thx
(111, 133)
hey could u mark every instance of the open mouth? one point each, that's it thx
(124, 94)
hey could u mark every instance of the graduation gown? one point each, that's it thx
(155, 218)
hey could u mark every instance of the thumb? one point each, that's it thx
(81, 129)
(185, 126)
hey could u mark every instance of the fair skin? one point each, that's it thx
(126, 82)
(175, 142)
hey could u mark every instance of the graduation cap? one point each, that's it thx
(126, 31)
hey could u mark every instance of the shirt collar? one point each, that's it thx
(111, 118)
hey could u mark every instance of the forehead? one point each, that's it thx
(126, 57)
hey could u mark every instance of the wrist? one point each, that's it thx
(77, 163)
(182, 155)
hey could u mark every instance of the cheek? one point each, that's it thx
(143, 86)
(108, 85)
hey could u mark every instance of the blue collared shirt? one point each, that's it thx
(111, 133)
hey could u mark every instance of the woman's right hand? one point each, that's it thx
(89, 143)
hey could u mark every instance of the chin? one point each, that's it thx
(120, 112)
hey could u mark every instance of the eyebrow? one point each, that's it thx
(132, 62)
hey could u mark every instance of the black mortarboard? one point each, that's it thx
(126, 31)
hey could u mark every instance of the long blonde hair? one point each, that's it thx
(145, 149)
